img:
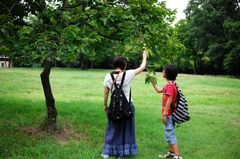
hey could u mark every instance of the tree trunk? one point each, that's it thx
(50, 101)
(82, 63)
(86, 64)
(10, 63)
(5, 61)
(69, 64)
(92, 62)
(195, 66)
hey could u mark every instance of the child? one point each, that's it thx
(169, 91)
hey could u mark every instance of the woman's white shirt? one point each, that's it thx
(126, 84)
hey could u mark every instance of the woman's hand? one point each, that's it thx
(145, 54)
(143, 65)
(106, 108)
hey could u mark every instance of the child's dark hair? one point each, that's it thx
(171, 71)
(119, 61)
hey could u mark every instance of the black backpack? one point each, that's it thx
(180, 114)
(119, 109)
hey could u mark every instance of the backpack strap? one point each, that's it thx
(172, 105)
(114, 81)
(122, 84)
(123, 77)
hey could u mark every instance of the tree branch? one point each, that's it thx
(66, 7)
(103, 35)
(9, 11)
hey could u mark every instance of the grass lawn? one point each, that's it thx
(212, 133)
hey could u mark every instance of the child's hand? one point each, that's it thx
(151, 75)
(164, 119)
(149, 78)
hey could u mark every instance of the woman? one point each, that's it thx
(120, 138)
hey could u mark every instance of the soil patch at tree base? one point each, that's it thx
(63, 135)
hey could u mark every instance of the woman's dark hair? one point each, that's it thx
(119, 61)
(171, 71)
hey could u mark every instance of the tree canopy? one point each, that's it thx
(42, 32)
(83, 29)
(211, 36)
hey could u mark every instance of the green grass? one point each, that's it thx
(213, 132)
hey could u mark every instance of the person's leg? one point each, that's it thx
(171, 137)
(175, 149)
(170, 148)
(168, 128)
(170, 152)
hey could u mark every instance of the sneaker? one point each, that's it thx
(105, 156)
(169, 154)
(177, 157)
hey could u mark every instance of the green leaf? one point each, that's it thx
(5, 32)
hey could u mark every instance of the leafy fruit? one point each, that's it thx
(151, 75)
(150, 78)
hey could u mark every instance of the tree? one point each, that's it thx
(232, 32)
(67, 30)
(186, 61)
(209, 24)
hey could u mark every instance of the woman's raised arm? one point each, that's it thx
(143, 64)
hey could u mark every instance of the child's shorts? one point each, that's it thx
(169, 131)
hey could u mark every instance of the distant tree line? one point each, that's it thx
(211, 35)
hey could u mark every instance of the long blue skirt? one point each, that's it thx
(120, 138)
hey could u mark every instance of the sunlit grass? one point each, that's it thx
(213, 131)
